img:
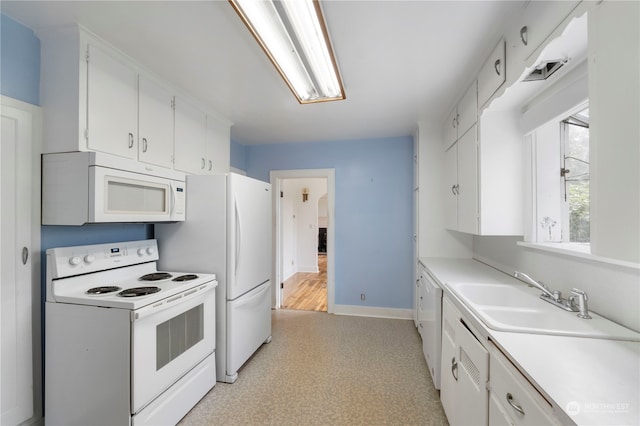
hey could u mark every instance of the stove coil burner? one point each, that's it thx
(155, 276)
(187, 277)
(138, 291)
(103, 290)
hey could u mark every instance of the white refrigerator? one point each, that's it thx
(228, 232)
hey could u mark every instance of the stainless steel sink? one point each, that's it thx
(517, 308)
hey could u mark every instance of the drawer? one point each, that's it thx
(510, 390)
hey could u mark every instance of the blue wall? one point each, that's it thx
(238, 156)
(20, 72)
(373, 212)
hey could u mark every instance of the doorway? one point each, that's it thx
(304, 257)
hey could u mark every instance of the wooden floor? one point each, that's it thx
(308, 291)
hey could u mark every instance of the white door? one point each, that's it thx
(249, 234)
(248, 326)
(189, 147)
(112, 115)
(450, 188)
(155, 134)
(16, 394)
(468, 182)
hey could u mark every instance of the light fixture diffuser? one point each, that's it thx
(294, 36)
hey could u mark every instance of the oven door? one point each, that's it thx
(169, 338)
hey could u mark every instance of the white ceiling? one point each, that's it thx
(401, 61)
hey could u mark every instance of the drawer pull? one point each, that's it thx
(514, 405)
(454, 368)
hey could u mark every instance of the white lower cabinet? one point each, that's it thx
(514, 401)
(465, 371)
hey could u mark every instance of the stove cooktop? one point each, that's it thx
(130, 287)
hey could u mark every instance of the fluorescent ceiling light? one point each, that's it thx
(294, 36)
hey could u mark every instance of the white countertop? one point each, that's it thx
(588, 381)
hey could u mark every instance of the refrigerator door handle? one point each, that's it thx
(238, 234)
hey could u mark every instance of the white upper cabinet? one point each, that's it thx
(112, 105)
(537, 22)
(468, 109)
(451, 128)
(190, 138)
(462, 117)
(98, 99)
(218, 150)
(461, 184)
(492, 74)
(155, 134)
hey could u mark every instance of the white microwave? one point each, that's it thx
(94, 187)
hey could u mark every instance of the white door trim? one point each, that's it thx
(276, 178)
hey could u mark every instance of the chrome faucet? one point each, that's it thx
(580, 298)
(537, 284)
(555, 297)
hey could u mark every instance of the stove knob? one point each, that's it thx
(151, 250)
(89, 258)
(141, 252)
(75, 260)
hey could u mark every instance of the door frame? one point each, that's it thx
(276, 177)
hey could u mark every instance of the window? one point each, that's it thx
(575, 175)
(560, 180)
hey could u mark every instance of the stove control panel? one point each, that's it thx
(69, 261)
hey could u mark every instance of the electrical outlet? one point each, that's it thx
(362, 296)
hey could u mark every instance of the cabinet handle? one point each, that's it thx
(203, 163)
(514, 405)
(144, 144)
(453, 189)
(524, 35)
(210, 165)
(25, 255)
(130, 140)
(497, 66)
(453, 123)
(454, 368)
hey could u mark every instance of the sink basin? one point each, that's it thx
(517, 308)
(504, 295)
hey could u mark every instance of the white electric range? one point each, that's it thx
(124, 342)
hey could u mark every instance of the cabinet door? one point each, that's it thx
(190, 138)
(450, 371)
(473, 374)
(468, 109)
(451, 128)
(492, 74)
(112, 110)
(218, 147)
(450, 188)
(468, 182)
(155, 135)
(16, 277)
(539, 21)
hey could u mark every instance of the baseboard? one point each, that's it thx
(372, 311)
(312, 269)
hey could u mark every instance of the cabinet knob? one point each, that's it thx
(524, 35)
(25, 255)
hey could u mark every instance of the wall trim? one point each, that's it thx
(373, 311)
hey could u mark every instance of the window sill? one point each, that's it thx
(582, 251)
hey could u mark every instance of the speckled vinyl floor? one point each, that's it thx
(323, 369)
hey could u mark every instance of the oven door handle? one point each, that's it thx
(169, 302)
